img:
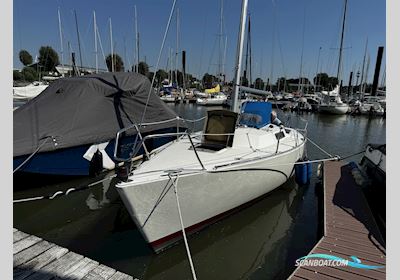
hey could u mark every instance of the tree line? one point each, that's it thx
(48, 59)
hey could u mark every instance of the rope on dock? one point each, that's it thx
(60, 193)
(175, 183)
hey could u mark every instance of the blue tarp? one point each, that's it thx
(255, 113)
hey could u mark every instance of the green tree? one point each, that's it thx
(143, 68)
(25, 57)
(208, 80)
(48, 58)
(161, 75)
(29, 74)
(118, 63)
(332, 82)
(322, 79)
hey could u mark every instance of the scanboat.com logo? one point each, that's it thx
(330, 260)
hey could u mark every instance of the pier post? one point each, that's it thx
(377, 70)
(349, 89)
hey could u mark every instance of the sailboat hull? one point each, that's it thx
(204, 196)
(339, 109)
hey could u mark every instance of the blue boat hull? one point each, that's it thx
(70, 161)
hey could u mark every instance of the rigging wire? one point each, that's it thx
(158, 62)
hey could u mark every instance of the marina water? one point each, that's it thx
(261, 241)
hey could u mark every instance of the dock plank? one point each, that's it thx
(309, 274)
(18, 235)
(84, 267)
(60, 267)
(100, 272)
(31, 252)
(120, 276)
(38, 259)
(349, 230)
(25, 243)
(38, 262)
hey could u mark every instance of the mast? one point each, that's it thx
(363, 65)
(95, 41)
(177, 47)
(316, 74)
(136, 60)
(61, 41)
(112, 49)
(341, 44)
(366, 74)
(79, 40)
(224, 59)
(170, 65)
(220, 58)
(239, 55)
(299, 86)
(248, 53)
(273, 45)
(250, 65)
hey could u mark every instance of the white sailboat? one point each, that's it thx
(218, 99)
(28, 92)
(371, 106)
(234, 160)
(332, 103)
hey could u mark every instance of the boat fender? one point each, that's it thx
(320, 170)
(96, 164)
(309, 169)
(302, 172)
(108, 163)
(123, 171)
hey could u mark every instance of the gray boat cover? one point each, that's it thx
(86, 110)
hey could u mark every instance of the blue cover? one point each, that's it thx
(255, 113)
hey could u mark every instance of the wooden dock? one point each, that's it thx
(349, 230)
(35, 258)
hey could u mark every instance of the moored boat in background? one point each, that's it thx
(70, 128)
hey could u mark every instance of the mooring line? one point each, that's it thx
(316, 145)
(175, 183)
(31, 155)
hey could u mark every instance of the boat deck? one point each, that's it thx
(180, 155)
(35, 258)
(349, 230)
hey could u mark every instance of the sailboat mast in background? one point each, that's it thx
(61, 41)
(95, 41)
(341, 45)
(238, 66)
(79, 40)
(112, 49)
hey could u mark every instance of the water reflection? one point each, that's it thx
(97, 200)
